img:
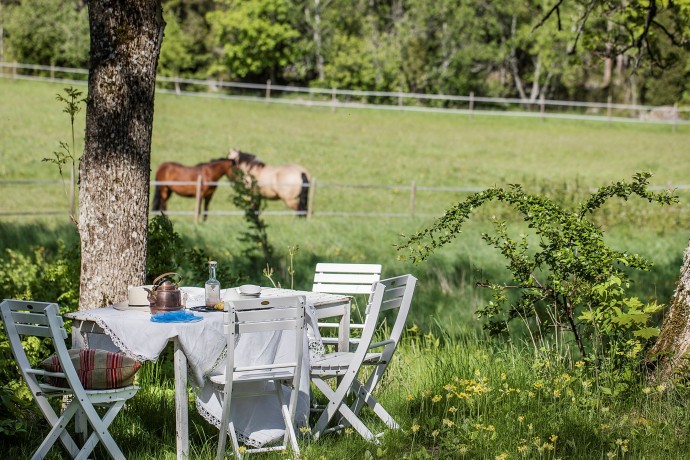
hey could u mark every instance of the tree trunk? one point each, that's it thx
(115, 168)
(670, 352)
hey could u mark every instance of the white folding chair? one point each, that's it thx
(390, 300)
(255, 316)
(351, 279)
(43, 320)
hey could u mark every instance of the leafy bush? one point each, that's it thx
(573, 276)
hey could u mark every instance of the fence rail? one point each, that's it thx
(411, 212)
(385, 100)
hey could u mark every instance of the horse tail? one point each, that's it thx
(157, 197)
(304, 195)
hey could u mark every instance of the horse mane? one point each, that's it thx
(250, 159)
(212, 161)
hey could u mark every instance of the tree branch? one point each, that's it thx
(546, 17)
(581, 26)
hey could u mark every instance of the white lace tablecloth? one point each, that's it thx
(257, 419)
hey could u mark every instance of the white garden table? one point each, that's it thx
(198, 346)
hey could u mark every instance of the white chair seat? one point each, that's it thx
(336, 364)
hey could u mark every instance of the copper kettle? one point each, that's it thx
(165, 295)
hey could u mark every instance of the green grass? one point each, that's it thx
(561, 158)
(351, 146)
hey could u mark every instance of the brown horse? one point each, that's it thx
(288, 182)
(175, 172)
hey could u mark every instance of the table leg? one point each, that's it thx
(181, 403)
(344, 331)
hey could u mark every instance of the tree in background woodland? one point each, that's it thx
(635, 52)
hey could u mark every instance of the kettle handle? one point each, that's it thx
(155, 282)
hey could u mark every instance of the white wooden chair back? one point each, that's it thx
(390, 299)
(248, 316)
(42, 319)
(345, 278)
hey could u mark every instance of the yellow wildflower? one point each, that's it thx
(553, 438)
(434, 433)
(521, 418)
(452, 409)
(436, 398)
(447, 422)
(410, 398)
(415, 428)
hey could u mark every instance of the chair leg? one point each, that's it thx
(59, 425)
(336, 405)
(290, 436)
(100, 431)
(364, 396)
(93, 439)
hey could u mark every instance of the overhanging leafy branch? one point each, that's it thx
(561, 276)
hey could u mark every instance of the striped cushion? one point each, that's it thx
(97, 369)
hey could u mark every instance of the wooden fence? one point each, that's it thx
(335, 98)
(411, 190)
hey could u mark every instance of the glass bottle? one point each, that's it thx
(212, 285)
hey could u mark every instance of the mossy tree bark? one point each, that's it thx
(670, 353)
(114, 170)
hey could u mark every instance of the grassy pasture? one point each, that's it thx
(561, 158)
(350, 146)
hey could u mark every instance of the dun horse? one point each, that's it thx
(176, 172)
(288, 182)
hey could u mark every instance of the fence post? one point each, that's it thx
(14, 69)
(268, 89)
(400, 98)
(310, 198)
(177, 85)
(334, 99)
(471, 102)
(52, 71)
(541, 106)
(413, 197)
(675, 116)
(608, 107)
(197, 205)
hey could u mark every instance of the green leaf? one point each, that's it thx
(647, 333)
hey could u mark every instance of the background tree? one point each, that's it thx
(252, 38)
(48, 32)
(185, 50)
(115, 167)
